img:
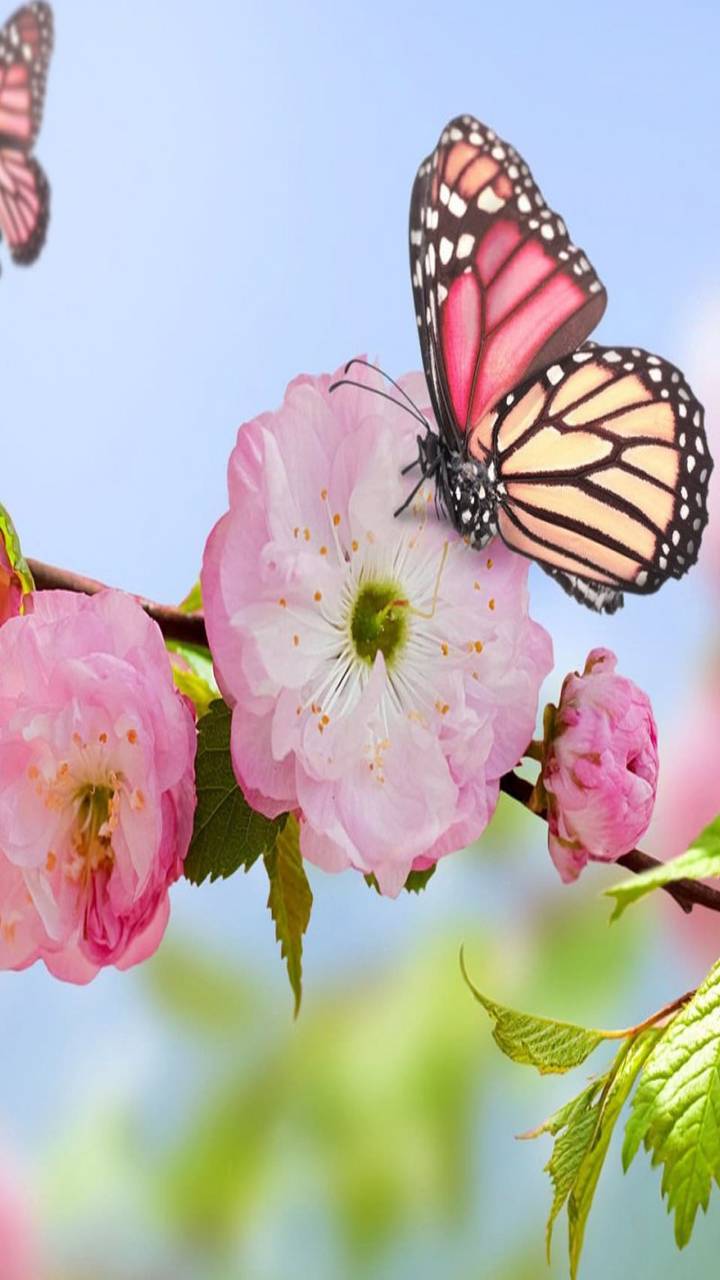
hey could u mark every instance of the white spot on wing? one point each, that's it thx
(488, 201)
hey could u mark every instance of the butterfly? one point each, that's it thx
(26, 43)
(591, 460)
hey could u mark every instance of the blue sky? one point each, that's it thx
(230, 189)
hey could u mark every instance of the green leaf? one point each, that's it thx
(582, 1130)
(290, 900)
(417, 880)
(576, 1124)
(700, 862)
(11, 542)
(538, 1042)
(676, 1110)
(193, 601)
(415, 883)
(227, 834)
(197, 658)
(200, 693)
(621, 1078)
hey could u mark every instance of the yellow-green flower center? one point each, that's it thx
(379, 622)
(95, 820)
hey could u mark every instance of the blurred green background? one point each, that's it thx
(196, 1131)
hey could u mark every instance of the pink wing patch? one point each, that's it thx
(16, 103)
(500, 291)
(24, 204)
(25, 47)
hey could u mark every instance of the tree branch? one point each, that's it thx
(186, 628)
(687, 893)
(189, 628)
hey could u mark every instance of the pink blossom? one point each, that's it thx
(688, 799)
(382, 674)
(96, 784)
(600, 766)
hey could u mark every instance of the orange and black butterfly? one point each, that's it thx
(26, 43)
(591, 460)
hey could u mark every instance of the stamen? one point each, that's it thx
(420, 613)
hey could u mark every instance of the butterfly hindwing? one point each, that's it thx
(26, 43)
(603, 471)
(500, 291)
(601, 599)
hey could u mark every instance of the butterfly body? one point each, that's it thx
(592, 461)
(466, 488)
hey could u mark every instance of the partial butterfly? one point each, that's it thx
(591, 460)
(26, 43)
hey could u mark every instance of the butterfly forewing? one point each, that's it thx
(500, 291)
(25, 47)
(603, 466)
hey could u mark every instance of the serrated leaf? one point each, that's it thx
(676, 1110)
(583, 1129)
(621, 1078)
(289, 901)
(700, 862)
(227, 833)
(418, 880)
(577, 1123)
(548, 1045)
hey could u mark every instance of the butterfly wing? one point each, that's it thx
(603, 467)
(25, 47)
(500, 291)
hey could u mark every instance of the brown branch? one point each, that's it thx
(189, 628)
(666, 1012)
(186, 628)
(687, 893)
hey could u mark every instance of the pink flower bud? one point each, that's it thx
(600, 766)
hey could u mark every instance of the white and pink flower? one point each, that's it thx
(383, 675)
(96, 784)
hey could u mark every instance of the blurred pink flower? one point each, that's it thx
(688, 799)
(704, 371)
(18, 1247)
(96, 784)
(383, 675)
(600, 766)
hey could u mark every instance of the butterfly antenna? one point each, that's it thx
(376, 369)
(362, 386)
